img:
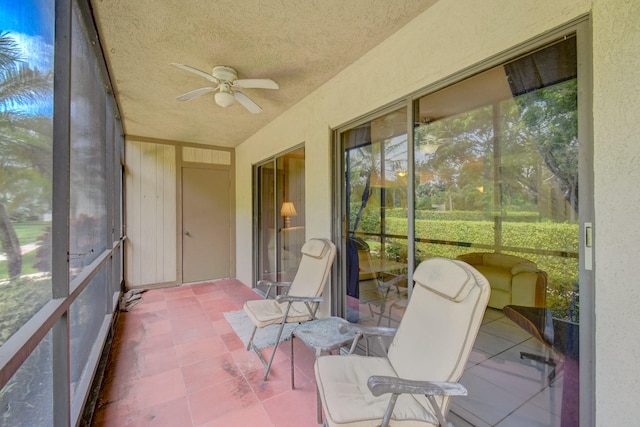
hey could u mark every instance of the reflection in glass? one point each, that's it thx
(496, 185)
(376, 165)
(503, 177)
(26, 136)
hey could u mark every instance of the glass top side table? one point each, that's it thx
(322, 335)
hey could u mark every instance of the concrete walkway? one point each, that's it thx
(24, 249)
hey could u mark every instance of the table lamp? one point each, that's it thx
(287, 211)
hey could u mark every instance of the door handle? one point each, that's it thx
(186, 233)
(588, 246)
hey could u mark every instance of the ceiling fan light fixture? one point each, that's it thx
(227, 86)
(224, 99)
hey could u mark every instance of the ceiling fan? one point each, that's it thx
(227, 87)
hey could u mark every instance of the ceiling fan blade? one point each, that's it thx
(247, 102)
(256, 84)
(195, 71)
(190, 95)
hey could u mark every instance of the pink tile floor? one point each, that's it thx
(176, 362)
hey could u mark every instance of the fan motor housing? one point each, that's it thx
(224, 73)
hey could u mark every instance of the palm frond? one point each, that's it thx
(20, 85)
(9, 50)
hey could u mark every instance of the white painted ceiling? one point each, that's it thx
(300, 44)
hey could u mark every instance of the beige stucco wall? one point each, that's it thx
(616, 129)
(446, 39)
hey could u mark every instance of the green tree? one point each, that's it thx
(551, 118)
(519, 148)
(25, 144)
(455, 153)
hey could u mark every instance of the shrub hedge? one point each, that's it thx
(464, 229)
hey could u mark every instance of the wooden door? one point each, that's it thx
(206, 224)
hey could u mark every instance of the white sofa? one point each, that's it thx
(513, 280)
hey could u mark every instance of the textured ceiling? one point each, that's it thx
(298, 43)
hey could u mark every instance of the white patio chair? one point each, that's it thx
(377, 297)
(413, 384)
(299, 302)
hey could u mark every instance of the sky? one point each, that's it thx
(31, 24)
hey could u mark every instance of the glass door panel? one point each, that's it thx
(290, 213)
(280, 211)
(376, 173)
(266, 261)
(496, 185)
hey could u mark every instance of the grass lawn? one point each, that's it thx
(28, 232)
(22, 298)
(28, 260)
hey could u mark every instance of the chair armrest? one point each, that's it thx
(382, 285)
(271, 284)
(382, 385)
(308, 302)
(361, 331)
(291, 298)
(358, 329)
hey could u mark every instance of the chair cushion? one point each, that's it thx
(524, 268)
(265, 312)
(342, 386)
(524, 289)
(445, 278)
(504, 260)
(499, 278)
(499, 298)
(314, 248)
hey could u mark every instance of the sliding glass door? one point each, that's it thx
(496, 178)
(493, 174)
(279, 210)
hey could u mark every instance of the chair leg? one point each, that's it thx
(319, 407)
(382, 310)
(275, 347)
(250, 343)
(293, 382)
(389, 411)
(251, 347)
(442, 422)
(546, 360)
